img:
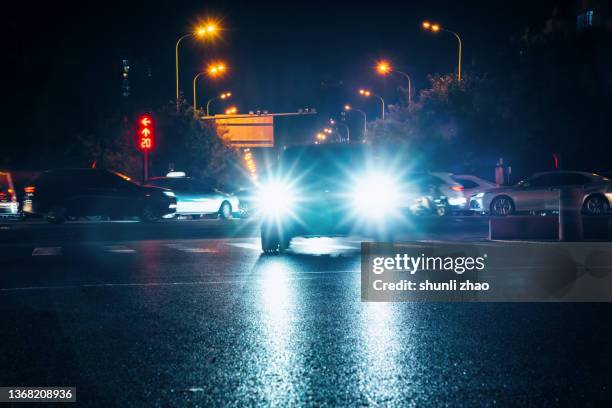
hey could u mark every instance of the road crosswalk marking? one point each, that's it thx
(119, 249)
(184, 248)
(47, 251)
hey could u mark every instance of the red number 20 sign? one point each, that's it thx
(146, 134)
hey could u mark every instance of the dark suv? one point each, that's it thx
(60, 194)
(322, 190)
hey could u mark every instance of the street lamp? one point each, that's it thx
(222, 96)
(384, 68)
(213, 70)
(231, 110)
(367, 93)
(434, 27)
(207, 30)
(349, 108)
(216, 69)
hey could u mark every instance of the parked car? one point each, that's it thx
(61, 194)
(197, 198)
(540, 193)
(9, 206)
(472, 185)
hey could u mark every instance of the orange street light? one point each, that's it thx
(367, 93)
(436, 28)
(215, 69)
(224, 95)
(384, 67)
(206, 30)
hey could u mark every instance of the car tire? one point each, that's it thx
(502, 206)
(272, 243)
(442, 211)
(225, 211)
(56, 214)
(148, 214)
(596, 204)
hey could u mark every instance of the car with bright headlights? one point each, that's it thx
(323, 190)
(59, 195)
(198, 197)
(540, 194)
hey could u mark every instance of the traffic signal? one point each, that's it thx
(146, 134)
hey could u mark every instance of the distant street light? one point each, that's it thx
(206, 30)
(367, 93)
(232, 110)
(213, 70)
(384, 68)
(216, 69)
(222, 96)
(349, 108)
(437, 28)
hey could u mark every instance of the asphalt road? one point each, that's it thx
(191, 314)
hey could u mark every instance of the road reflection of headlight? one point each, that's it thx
(375, 195)
(275, 199)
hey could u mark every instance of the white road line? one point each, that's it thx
(184, 248)
(246, 245)
(119, 249)
(47, 251)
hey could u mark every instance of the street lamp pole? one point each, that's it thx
(409, 86)
(208, 104)
(195, 105)
(349, 108)
(459, 58)
(224, 95)
(176, 60)
(435, 28)
(382, 101)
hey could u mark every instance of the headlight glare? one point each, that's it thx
(275, 198)
(375, 195)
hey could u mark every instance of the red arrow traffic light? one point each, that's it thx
(145, 133)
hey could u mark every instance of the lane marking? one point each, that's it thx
(184, 248)
(246, 245)
(119, 249)
(47, 251)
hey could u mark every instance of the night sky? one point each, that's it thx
(64, 60)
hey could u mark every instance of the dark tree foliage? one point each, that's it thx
(553, 96)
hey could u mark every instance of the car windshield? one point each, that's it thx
(313, 161)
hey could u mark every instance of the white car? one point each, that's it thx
(540, 193)
(472, 186)
(197, 198)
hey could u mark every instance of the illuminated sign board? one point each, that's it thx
(146, 135)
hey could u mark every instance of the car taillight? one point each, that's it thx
(30, 189)
(457, 188)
